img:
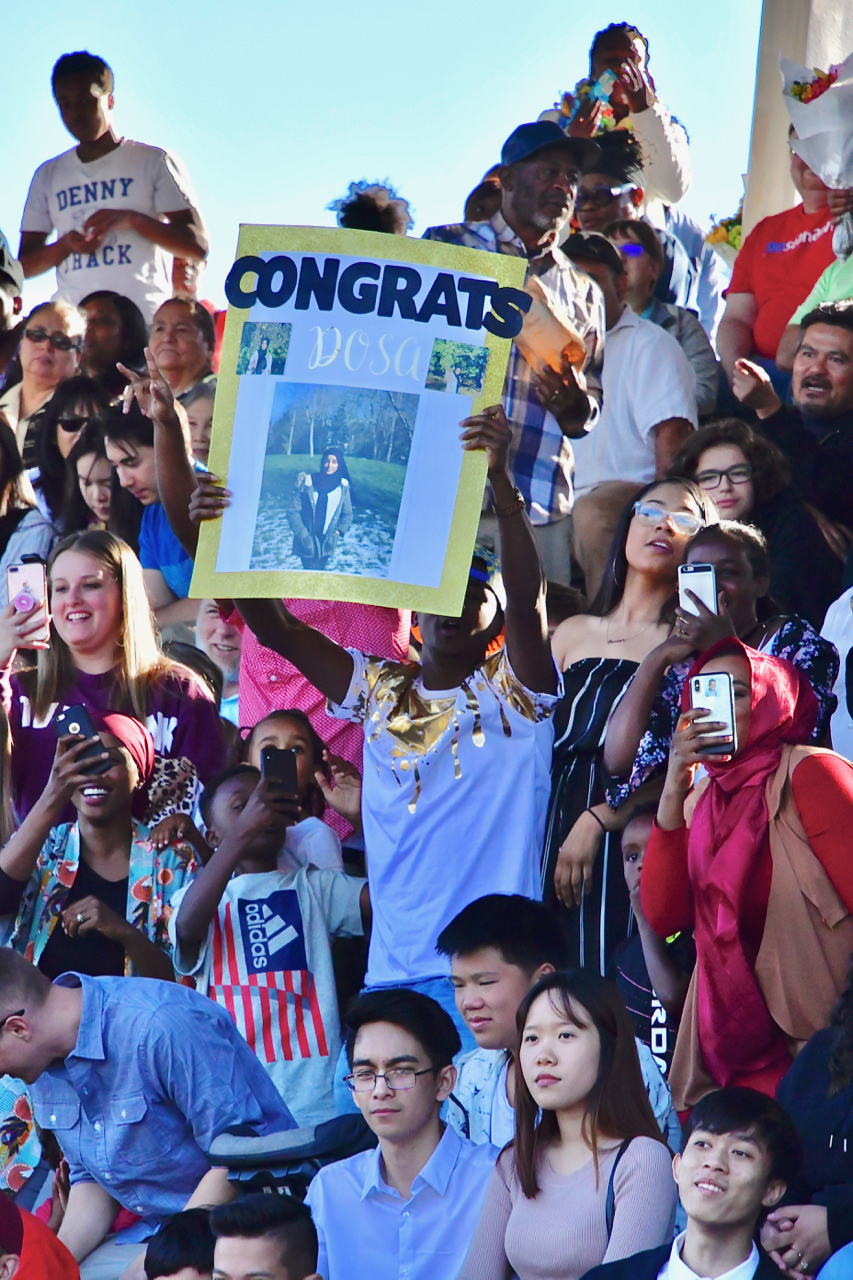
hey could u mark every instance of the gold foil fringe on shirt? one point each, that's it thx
(417, 724)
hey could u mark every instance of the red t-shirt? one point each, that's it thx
(779, 264)
(43, 1257)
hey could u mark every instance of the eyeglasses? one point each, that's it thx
(601, 196)
(630, 249)
(396, 1078)
(59, 341)
(19, 1013)
(74, 424)
(741, 474)
(681, 521)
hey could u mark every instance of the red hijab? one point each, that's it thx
(728, 836)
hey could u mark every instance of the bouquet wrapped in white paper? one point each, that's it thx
(820, 105)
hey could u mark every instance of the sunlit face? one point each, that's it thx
(94, 475)
(805, 179)
(108, 795)
(734, 576)
(823, 371)
(200, 419)
(85, 601)
(287, 735)
(738, 668)
(398, 1114)
(559, 1060)
(540, 192)
(135, 466)
(723, 1179)
(659, 548)
(488, 992)
(641, 270)
(43, 363)
(220, 640)
(734, 496)
(594, 212)
(177, 344)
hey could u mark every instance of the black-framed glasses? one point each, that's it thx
(601, 196)
(631, 249)
(396, 1078)
(59, 341)
(19, 1013)
(682, 521)
(741, 474)
(76, 423)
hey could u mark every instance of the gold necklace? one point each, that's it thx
(624, 639)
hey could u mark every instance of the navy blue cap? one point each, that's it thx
(527, 139)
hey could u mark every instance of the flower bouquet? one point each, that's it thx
(725, 235)
(584, 91)
(820, 104)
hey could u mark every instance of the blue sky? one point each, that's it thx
(276, 106)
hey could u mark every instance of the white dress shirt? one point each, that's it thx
(366, 1228)
(676, 1269)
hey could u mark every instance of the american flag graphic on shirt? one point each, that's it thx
(260, 974)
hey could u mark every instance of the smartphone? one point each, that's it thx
(702, 581)
(76, 720)
(26, 585)
(281, 765)
(715, 692)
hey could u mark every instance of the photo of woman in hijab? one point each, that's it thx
(260, 361)
(320, 510)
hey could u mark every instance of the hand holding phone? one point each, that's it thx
(26, 589)
(701, 579)
(280, 765)
(76, 721)
(714, 693)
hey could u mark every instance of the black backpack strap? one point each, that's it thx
(610, 1202)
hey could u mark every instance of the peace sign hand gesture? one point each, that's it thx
(152, 393)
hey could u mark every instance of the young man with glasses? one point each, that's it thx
(119, 208)
(409, 1206)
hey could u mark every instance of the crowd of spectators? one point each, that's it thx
(570, 955)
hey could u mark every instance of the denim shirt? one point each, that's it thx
(157, 1073)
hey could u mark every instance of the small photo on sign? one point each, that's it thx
(457, 367)
(263, 348)
(334, 468)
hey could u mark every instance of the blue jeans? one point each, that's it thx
(839, 1266)
(438, 989)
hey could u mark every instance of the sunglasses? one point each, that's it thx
(601, 196)
(682, 521)
(630, 249)
(59, 341)
(74, 424)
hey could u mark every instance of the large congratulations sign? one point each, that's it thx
(348, 361)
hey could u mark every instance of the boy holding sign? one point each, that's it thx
(457, 747)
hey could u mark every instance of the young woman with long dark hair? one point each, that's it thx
(585, 1135)
(598, 653)
(76, 403)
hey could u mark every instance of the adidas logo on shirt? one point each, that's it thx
(272, 932)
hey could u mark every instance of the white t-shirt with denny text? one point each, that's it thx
(646, 378)
(267, 959)
(456, 788)
(65, 192)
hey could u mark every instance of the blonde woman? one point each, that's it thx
(104, 655)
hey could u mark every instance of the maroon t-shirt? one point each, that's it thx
(183, 721)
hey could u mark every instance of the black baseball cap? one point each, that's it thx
(592, 246)
(527, 139)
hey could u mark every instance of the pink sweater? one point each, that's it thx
(561, 1234)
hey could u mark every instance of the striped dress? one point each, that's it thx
(592, 689)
